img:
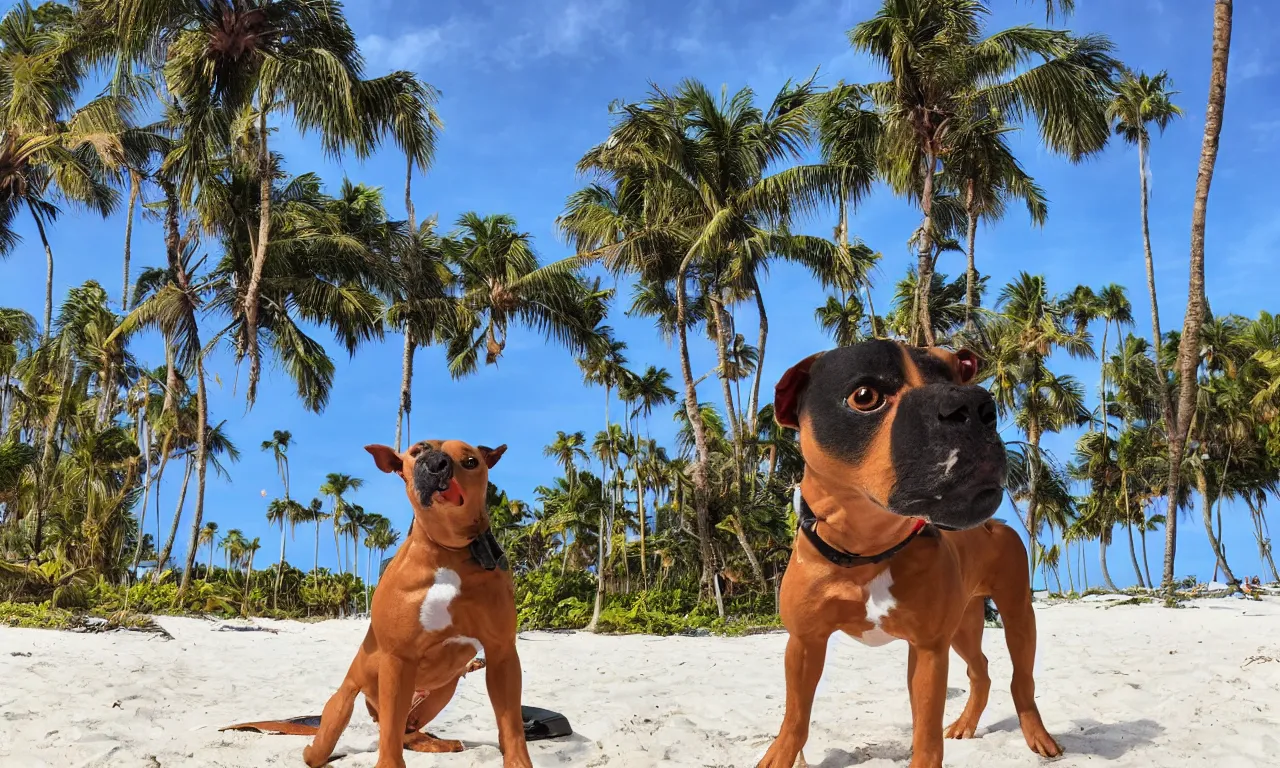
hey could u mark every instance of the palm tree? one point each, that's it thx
(981, 167)
(941, 70)
(354, 523)
(233, 545)
(313, 513)
(250, 550)
(567, 450)
(420, 305)
(1030, 328)
(336, 486)
(842, 321)
(279, 445)
(50, 149)
(235, 65)
(1139, 101)
(502, 283)
(1197, 303)
(209, 535)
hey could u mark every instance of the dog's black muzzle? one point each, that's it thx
(432, 471)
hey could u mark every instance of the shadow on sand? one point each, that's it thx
(1108, 741)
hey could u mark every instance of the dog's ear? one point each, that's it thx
(491, 455)
(967, 365)
(786, 395)
(386, 458)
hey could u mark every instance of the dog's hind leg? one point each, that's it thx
(967, 643)
(1011, 593)
(423, 712)
(337, 713)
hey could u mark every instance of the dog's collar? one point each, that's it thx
(809, 522)
(484, 549)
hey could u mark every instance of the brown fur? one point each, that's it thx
(408, 674)
(939, 582)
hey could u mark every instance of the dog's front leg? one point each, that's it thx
(805, 658)
(395, 695)
(503, 679)
(927, 683)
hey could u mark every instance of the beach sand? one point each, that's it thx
(1131, 685)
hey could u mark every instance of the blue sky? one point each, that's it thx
(526, 88)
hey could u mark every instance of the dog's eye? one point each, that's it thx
(866, 399)
(471, 462)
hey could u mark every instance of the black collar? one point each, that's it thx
(484, 549)
(809, 522)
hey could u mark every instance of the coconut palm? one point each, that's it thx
(281, 440)
(1197, 303)
(1032, 325)
(250, 550)
(235, 65)
(567, 450)
(209, 535)
(336, 486)
(941, 71)
(981, 168)
(313, 513)
(842, 321)
(233, 545)
(501, 283)
(420, 305)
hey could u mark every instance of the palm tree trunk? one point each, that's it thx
(1102, 562)
(254, 287)
(1033, 501)
(248, 580)
(202, 466)
(1206, 511)
(135, 187)
(924, 262)
(406, 385)
(1189, 347)
(756, 571)
(163, 558)
(644, 568)
(46, 459)
(1084, 570)
(209, 577)
(599, 602)
(971, 271)
(337, 546)
(280, 569)
(144, 446)
(1260, 534)
(1133, 555)
(701, 486)
(316, 565)
(48, 281)
(753, 406)
(1066, 555)
(722, 354)
(1146, 562)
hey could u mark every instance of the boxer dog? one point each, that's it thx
(445, 596)
(903, 471)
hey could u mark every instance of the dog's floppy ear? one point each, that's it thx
(786, 395)
(491, 455)
(386, 458)
(967, 365)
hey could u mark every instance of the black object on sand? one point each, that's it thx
(542, 724)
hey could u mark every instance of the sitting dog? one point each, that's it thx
(903, 471)
(446, 595)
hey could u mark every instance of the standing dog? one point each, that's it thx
(445, 596)
(903, 471)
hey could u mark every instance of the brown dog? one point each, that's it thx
(903, 465)
(445, 596)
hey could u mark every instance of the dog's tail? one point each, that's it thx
(337, 713)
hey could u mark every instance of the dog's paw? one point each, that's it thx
(425, 742)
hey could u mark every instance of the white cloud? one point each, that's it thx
(412, 48)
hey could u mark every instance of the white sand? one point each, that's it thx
(1125, 686)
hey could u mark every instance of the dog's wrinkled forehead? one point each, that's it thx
(422, 446)
(887, 365)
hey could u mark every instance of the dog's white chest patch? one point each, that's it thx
(879, 603)
(434, 614)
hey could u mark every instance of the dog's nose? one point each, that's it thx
(963, 404)
(436, 462)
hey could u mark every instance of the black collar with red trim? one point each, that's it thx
(809, 522)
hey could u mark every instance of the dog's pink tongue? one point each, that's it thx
(453, 494)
